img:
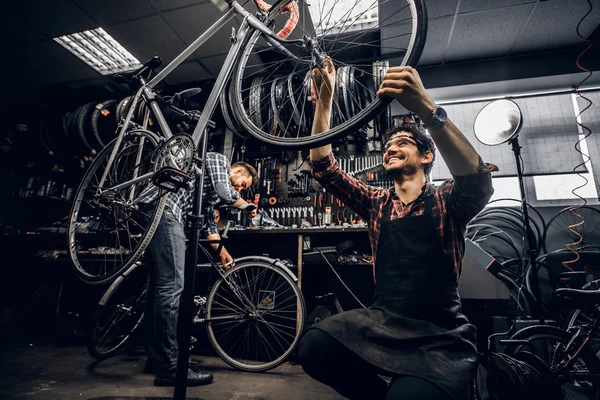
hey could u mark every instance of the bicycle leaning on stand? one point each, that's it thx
(253, 313)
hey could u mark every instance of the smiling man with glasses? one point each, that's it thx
(413, 331)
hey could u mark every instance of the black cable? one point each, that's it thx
(336, 274)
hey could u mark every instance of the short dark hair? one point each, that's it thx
(250, 170)
(424, 141)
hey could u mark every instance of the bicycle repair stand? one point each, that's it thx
(184, 321)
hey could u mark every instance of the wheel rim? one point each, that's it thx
(550, 346)
(106, 235)
(342, 44)
(558, 228)
(116, 321)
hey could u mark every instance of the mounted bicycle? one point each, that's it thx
(106, 235)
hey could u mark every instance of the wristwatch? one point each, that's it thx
(437, 119)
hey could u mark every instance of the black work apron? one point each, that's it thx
(414, 326)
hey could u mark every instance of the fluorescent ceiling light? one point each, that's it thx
(344, 15)
(100, 51)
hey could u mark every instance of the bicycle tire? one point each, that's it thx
(352, 125)
(586, 356)
(220, 290)
(582, 316)
(106, 274)
(84, 127)
(516, 293)
(124, 298)
(103, 123)
(79, 148)
(529, 207)
(565, 213)
(518, 223)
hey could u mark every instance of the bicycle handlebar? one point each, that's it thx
(291, 7)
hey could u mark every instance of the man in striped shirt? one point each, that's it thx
(165, 256)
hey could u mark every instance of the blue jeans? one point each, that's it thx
(165, 257)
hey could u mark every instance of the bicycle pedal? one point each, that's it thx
(199, 300)
(171, 179)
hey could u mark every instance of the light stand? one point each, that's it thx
(499, 122)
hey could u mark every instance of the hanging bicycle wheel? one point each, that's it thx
(567, 228)
(353, 36)
(586, 317)
(553, 345)
(256, 314)
(119, 314)
(110, 229)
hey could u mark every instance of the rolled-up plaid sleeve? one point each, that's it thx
(469, 194)
(219, 171)
(349, 190)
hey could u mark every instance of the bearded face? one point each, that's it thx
(401, 156)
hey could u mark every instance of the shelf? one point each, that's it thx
(298, 231)
(43, 198)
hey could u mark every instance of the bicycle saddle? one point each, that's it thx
(132, 76)
(578, 298)
(185, 99)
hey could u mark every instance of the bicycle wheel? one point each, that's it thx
(558, 234)
(353, 37)
(108, 230)
(257, 314)
(551, 344)
(119, 314)
(586, 317)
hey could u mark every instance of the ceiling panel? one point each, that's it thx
(164, 5)
(148, 37)
(437, 40)
(213, 64)
(486, 34)
(20, 32)
(49, 63)
(108, 12)
(467, 6)
(542, 32)
(437, 9)
(54, 17)
(191, 22)
(482, 29)
(187, 72)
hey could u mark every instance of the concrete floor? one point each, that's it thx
(32, 370)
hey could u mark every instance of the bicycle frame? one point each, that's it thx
(145, 91)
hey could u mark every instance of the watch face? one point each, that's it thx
(438, 118)
(440, 114)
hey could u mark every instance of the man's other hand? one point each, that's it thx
(323, 80)
(226, 259)
(405, 85)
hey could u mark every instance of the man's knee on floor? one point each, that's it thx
(315, 348)
(414, 388)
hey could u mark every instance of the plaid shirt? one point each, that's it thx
(217, 189)
(456, 202)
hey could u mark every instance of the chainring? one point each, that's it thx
(177, 152)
